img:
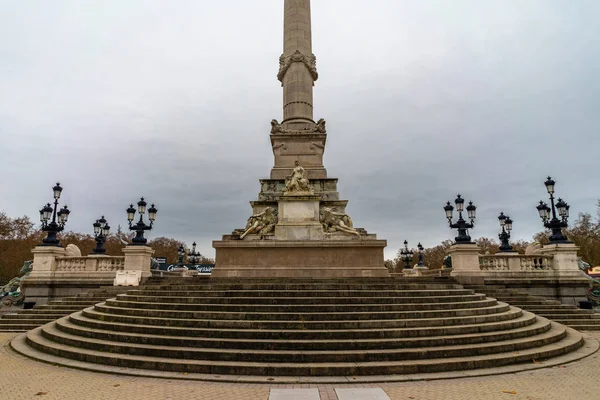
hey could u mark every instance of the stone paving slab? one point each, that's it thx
(23, 378)
(294, 394)
(361, 394)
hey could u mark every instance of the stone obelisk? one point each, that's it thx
(298, 137)
(299, 227)
(297, 77)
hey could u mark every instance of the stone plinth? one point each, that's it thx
(564, 259)
(138, 258)
(298, 218)
(44, 260)
(465, 263)
(299, 259)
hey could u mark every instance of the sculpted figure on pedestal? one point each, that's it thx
(72, 251)
(262, 223)
(297, 182)
(337, 222)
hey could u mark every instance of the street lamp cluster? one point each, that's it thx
(140, 227)
(101, 232)
(554, 223)
(504, 236)
(55, 226)
(193, 256)
(549, 215)
(461, 224)
(406, 255)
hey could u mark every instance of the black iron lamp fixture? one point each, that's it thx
(406, 255)
(180, 254)
(461, 224)
(58, 218)
(193, 255)
(546, 212)
(420, 262)
(504, 236)
(101, 232)
(140, 226)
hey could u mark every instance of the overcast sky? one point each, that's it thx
(423, 100)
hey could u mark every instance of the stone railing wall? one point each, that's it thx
(493, 263)
(90, 264)
(515, 262)
(536, 263)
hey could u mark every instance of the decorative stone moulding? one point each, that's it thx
(318, 127)
(309, 60)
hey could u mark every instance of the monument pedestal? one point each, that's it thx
(319, 259)
(298, 218)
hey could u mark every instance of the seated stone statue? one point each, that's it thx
(10, 294)
(337, 222)
(298, 182)
(261, 223)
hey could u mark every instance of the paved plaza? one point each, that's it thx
(22, 378)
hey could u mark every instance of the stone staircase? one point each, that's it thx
(566, 314)
(300, 328)
(23, 320)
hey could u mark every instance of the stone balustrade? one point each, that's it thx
(536, 263)
(515, 262)
(90, 264)
(493, 263)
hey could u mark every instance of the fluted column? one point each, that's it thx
(297, 65)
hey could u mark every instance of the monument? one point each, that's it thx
(299, 227)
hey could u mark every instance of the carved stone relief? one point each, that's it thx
(309, 60)
(318, 127)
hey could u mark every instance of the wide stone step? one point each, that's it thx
(302, 287)
(98, 322)
(564, 307)
(491, 314)
(17, 327)
(301, 356)
(302, 293)
(297, 308)
(70, 304)
(571, 341)
(303, 299)
(584, 327)
(53, 310)
(284, 343)
(45, 316)
(568, 316)
(557, 311)
(294, 315)
(528, 302)
(576, 321)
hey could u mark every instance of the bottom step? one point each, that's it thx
(572, 341)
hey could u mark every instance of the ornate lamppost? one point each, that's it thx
(193, 255)
(48, 212)
(461, 224)
(420, 263)
(101, 231)
(180, 254)
(140, 226)
(504, 236)
(554, 223)
(406, 255)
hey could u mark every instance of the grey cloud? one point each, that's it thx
(422, 100)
